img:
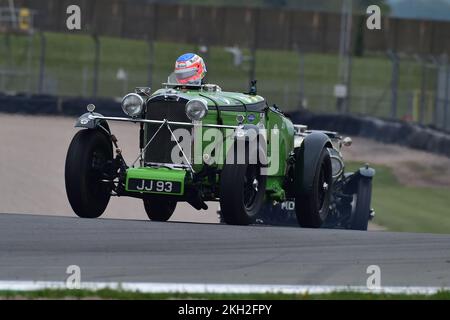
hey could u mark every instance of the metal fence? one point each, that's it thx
(408, 87)
(265, 28)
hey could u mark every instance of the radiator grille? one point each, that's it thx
(161, 147)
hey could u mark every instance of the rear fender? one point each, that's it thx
(307, 158)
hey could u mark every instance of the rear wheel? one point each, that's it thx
(89, 155)
(158, 210)
(312, 206)
(361, 205)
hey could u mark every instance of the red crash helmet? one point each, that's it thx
(190, 68)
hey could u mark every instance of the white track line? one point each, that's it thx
(149, 287)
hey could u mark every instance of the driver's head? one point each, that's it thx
(190, 68)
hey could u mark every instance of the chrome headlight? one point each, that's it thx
(196, 109)
(132, 104)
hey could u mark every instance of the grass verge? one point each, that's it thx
(128, 295)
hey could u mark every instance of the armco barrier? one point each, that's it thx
(387, 131)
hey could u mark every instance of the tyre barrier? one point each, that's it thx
(77, 106)
(383, 130)
(387, 131)
(21, 103)
(52, 105)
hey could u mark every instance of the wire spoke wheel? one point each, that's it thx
(251, 183)
(97, 172)
(242, 190)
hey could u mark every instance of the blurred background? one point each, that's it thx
(311, 58)
(303, 53)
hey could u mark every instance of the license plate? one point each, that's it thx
(154, 186)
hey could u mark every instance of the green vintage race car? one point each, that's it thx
(199, 143)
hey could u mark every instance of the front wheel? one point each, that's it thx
(242, 189)
(87, 160)
(158, 210)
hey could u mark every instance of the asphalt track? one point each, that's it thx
(42, 247)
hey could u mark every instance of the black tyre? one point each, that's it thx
(361, 207)
(158, 210)
(312, 206)
(242, 184)
(242, 193)
(242, 189)
(89, 155)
